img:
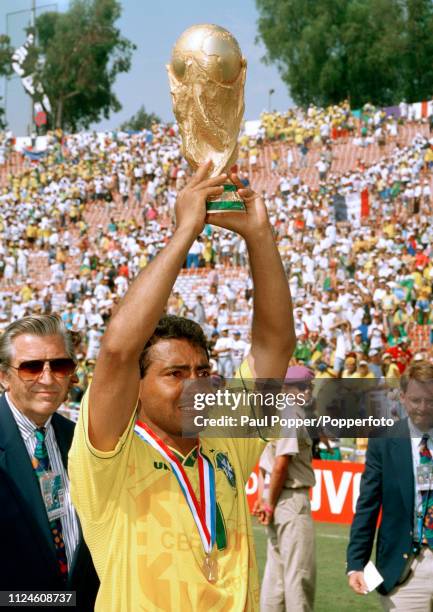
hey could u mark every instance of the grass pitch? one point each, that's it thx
(332, 592)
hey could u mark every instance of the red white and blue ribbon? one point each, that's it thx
(203, 512)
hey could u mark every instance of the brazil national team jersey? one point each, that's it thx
(143, 539)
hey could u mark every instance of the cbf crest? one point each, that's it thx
(223, 463)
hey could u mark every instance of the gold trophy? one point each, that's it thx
(207, 78)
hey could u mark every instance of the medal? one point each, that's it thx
(203, 512)
(210, 569)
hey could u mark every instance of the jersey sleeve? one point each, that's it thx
(96, 476)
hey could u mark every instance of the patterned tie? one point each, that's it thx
(41, 464)
(425, 456)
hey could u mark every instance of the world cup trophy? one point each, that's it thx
(207, 78)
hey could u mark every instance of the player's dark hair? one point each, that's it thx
(171, 327)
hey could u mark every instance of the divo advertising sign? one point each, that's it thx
(333, 498)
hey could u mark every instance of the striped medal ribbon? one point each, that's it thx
(203, 511)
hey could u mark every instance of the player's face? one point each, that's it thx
(37, 398)
(418, 401)
(172, 364)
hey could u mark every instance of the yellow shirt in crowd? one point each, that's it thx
(141, 534)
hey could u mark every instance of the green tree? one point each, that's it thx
(142, 120)
(5, 69)
(373, 46)
(5, 56)
(78, 55)
(3, 123)
(418, 56)
(376, 51)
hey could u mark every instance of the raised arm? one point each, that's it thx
(273, 333)
(115, 385)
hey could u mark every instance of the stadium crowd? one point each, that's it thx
(79, 222)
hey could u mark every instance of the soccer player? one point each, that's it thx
(166, 517)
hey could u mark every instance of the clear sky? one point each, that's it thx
(154, 26)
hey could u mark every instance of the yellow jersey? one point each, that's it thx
(143, 539)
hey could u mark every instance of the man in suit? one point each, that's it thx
(41, 542)
(398, 480)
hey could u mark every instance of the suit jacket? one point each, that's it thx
(388, 485)
(27, 552)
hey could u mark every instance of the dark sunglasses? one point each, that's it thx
(31, 370)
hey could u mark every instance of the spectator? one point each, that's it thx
(223, 350)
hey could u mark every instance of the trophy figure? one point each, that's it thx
(207, 78)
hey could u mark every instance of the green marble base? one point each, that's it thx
(229, 202)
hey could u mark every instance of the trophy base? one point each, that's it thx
(229, 201)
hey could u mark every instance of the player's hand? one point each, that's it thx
(190, 206)
(247, 224)
(357, 583)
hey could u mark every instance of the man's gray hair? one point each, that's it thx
(34, 325)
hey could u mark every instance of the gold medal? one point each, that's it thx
(210, 568)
